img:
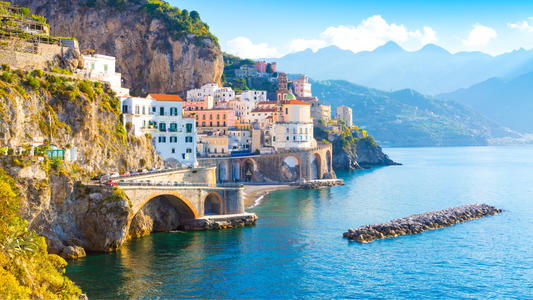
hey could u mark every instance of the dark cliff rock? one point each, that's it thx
(150, 55)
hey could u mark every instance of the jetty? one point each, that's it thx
(420, 222)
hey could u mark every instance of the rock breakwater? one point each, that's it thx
(420, 222)
(317, 184)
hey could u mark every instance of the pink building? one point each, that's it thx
(212, 118)
(302, 87)
(261, 66)
(206, 103)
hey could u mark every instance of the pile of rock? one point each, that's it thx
(317, 184)
(219, 222)
(420, 223)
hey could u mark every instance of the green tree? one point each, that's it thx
(195, 15)
(269, 69)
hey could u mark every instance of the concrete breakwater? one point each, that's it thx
(420, 223)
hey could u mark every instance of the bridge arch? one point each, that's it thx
(213, 204)
(182, 205)
(248, 168)
(223, 171)
(290, 168)
(316, 166)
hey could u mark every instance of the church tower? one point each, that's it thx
(282, 87)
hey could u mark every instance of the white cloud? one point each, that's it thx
(480, 35)
(243, 47)
(370, 34)
(524, 26)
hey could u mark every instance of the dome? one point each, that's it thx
(290, 97)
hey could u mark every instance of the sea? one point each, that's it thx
(297, 251)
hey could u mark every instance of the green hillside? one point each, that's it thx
(408, 118)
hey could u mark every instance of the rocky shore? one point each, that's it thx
(420, 223)
(219, 222)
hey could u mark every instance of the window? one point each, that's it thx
(306, 130)
(105, 69)
(300, 130)
(287, 138)
(162, 127)
(211, 124)
(173, 150)
(294, 130)
(203, 117)
(224, 123)
(188, 139)
(286, 111)
(173, 111)
(196, 124)
(218, 117)
(189, 127)
(93, 66)
(161, 111)
(189, 150)
(173, 127)
(137, 109)
(203, 124)
(124, 109)
(173, 139)
(287, 130)
(273, 138)
(162, 139)
(218, 123)
(294, 138)
(153, 110)
(210, 117)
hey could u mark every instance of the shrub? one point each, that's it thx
(6, 67)
(33, 82)
(20, 89)
(142, 162)
(7, 77)
(38, 73)
(86, 87)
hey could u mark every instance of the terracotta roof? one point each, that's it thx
(165, 97)
(296, 102)
(264, 110)
(269, 117)
(267, 102)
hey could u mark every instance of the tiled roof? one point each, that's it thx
(267, 102)
(165, 97)
(264, 110)
(296, 102)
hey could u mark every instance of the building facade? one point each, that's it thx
(160, 115)
(261, 66)
(219, 94)
(302, 87)
(102, 67)
(344, 113)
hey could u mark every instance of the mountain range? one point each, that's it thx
(409, 118)
(509, 102)
(431, 70)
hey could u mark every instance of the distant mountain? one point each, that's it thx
(509, 102)
(430, 70)
(408, 118)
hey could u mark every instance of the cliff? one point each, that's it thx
(68, 113)
(352, 150)
(155, 52)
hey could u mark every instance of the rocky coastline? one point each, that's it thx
(420, 222)
(318, 184)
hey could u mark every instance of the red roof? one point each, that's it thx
(296, 102)
(267, 102)
(165, 97)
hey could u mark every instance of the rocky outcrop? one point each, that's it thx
(368, 152)
(420, 223)
(220, 222)
(318, 184)
(72, 252)
(149, 57)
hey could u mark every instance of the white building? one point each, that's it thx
(294, 129)
(345, 113)
(102, 67)
(160, 115)
(254, 96)
(211, 89)
(239, 139)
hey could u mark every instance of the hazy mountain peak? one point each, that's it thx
(389, 47)
(432, 48)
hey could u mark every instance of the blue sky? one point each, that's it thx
(274, 28)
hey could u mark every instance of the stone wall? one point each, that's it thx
(24, 60)
(201, 175)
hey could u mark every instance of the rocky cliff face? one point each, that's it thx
(351, 151)
(148, 56)
(55, 202)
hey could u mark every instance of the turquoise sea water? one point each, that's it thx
(297, 249)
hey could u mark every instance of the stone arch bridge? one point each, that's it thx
(283, 166)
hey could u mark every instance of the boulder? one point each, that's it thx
(72, 252)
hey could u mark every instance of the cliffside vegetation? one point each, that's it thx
(27, 270)
(178, 23)
(408, 118)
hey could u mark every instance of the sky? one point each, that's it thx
(271, 29)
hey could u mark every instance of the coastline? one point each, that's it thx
(254, 193)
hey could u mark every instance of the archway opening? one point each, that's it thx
(290, 169)
(223, 171)
(315, 167)
(248, 169)
(212, 204)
